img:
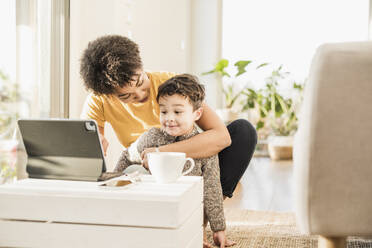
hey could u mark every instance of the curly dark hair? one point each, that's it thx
(185, 85)
(108, 62)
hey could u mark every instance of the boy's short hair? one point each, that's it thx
(185, 85)
(108, 62)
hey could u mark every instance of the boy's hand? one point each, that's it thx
(220, 239)
(144, 156)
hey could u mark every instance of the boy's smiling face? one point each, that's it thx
(177, 115)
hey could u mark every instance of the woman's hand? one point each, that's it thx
(220, 239)
(144, 156)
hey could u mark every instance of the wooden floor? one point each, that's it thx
(266, 185)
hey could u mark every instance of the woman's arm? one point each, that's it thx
(213, 140)
(104, 141)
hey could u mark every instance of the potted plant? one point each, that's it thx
(276, 117)
(232, 90)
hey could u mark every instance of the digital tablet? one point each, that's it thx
(62, 149)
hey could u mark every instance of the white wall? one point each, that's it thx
(206, 47)
(287, 33)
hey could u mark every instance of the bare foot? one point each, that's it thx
(229, 243)
(206, 244)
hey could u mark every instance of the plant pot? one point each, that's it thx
(280, 147)
(261, 148)
(227, 115)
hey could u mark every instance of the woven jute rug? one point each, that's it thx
(260, 229)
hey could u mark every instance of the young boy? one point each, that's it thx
(180, 99)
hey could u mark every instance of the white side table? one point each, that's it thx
(57, 213)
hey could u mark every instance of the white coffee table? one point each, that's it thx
(56, 213)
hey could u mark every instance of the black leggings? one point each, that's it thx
(235, 159)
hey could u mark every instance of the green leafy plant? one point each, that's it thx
(8, 90)
(9, 93)
(276, 113)
(230, 91)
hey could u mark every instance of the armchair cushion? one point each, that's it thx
(333, 146)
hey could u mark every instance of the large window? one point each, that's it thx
(289, 31)
(8, 89)
(33, 61)
(8, 38)
(42, 49)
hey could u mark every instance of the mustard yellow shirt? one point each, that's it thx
(129, 120)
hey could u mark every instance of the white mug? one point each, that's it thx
(167, 167)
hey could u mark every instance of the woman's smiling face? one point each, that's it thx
(138, 91)
(177, 115)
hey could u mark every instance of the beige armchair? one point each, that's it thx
(333, 146)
